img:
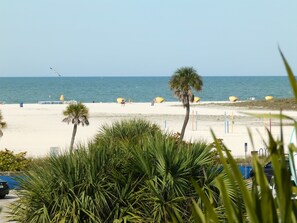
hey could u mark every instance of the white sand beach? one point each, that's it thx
(36, 128)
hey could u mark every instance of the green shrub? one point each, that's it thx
(127, 132)
(131, 172)
(9, 161)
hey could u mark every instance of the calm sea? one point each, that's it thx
(138, 89)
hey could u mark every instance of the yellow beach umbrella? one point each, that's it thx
(62, 97)
(268, 98)
(159, 99)
(196, 99)
(119, 100)
(233, 98)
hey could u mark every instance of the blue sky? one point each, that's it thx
(146, 38)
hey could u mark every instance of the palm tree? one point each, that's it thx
(2, 124)
(76, 113)
(182, 83)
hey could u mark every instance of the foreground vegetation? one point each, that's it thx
(130, 172)
(274, 202)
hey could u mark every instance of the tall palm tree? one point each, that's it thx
(182, 83)
(2, 124)
(76, 113)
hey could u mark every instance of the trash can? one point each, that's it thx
(21, 104)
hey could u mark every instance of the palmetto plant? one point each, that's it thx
(261, 203)
(183, 82)
(2, 124)
(145, 179)
(130, 131)
(77, 114)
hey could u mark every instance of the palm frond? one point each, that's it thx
(184, 81)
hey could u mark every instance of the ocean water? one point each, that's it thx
(138, 89)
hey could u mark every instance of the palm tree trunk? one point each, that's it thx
(185, 121)
(72, 138)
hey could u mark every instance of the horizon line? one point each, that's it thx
(111, 76)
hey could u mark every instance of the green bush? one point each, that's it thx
(131, 172)
(9, 161)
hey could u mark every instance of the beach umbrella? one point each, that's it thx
(159, 99)
(196, 99)
(268, 98)
(233, 98)
(119, 100)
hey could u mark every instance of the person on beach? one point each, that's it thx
(153, 102)
(123, 102)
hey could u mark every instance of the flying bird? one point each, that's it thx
(55, 71)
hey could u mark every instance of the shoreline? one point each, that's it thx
(274, 103)
(36, 128)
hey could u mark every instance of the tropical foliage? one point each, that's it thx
(183, 82)
(77, 114)
(130, 172)
(260, 202)
(9, 161)
(2, 124)
(264, 202)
